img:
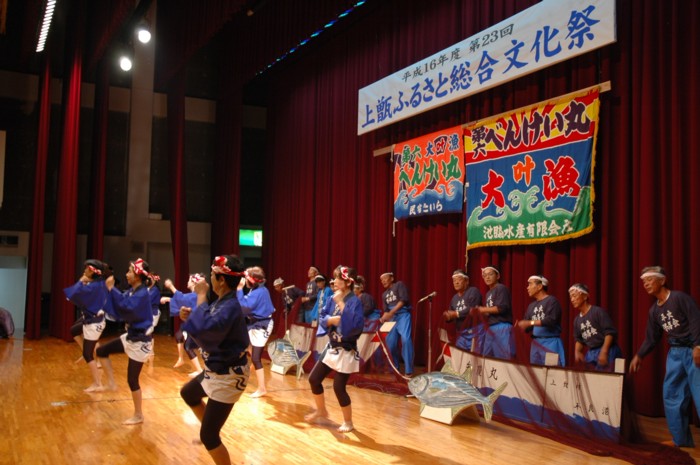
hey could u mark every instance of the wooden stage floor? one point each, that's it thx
(46, 418)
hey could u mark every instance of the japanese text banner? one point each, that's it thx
(547, 33)
(429, 174)
(530, 173)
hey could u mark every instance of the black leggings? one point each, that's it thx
(115, 346)
(340, 381)
(257, 357)
(215, 413)
(89, 350)
(77, 328)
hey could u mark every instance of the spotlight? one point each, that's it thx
(143, 34)
(125, 63)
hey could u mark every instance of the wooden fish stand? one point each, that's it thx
(447, 415)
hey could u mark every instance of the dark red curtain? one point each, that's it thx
(98, 168)
(229, 107)
(32, 323)
(106, 20)
(63, 268)
(329, 201)
(185, 26)
(176, 167)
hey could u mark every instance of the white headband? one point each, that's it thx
(542, 279)
(652, 274)
(460, 274)
(490, 268)
(576, 287)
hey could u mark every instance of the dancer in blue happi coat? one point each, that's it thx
(220, 330)
(89, 294)
(258, 309)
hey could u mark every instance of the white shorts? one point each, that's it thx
(341, 360)
(226, 388)
(138, 351)
(259, 336)
(93, 331)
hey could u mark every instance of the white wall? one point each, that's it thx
(13, 288)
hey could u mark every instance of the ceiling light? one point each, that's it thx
(143, 34)
(125, 63)
(46, 24)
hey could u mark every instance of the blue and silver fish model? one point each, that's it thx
(447, 389)
(283, 353)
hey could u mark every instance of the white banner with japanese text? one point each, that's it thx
(546, 33)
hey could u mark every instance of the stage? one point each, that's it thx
(47, 419)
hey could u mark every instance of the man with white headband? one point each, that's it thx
(308, 300)
(324, 294)
(290, 294)
(397, 307)
(543, 319)
(593, 329)
(676, 314)
(498, 340)
(469, 335)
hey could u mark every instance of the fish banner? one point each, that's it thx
(529, 173)
(429, 174)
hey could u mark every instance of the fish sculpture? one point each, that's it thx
(283, 353)
(447, 389)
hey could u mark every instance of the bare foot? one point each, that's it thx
(135, 420)
(258, 393)
(80, 359)
(94, 388)
(179, 363)
(316, 416)
(103, 388)
(346, 427)
(194, 374)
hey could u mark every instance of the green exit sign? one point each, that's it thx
(250, 237)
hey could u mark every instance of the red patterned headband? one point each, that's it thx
(138, 268)
(345, 274)
(94, 270)
(220, 267)
(253, 279)
(195, 278)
